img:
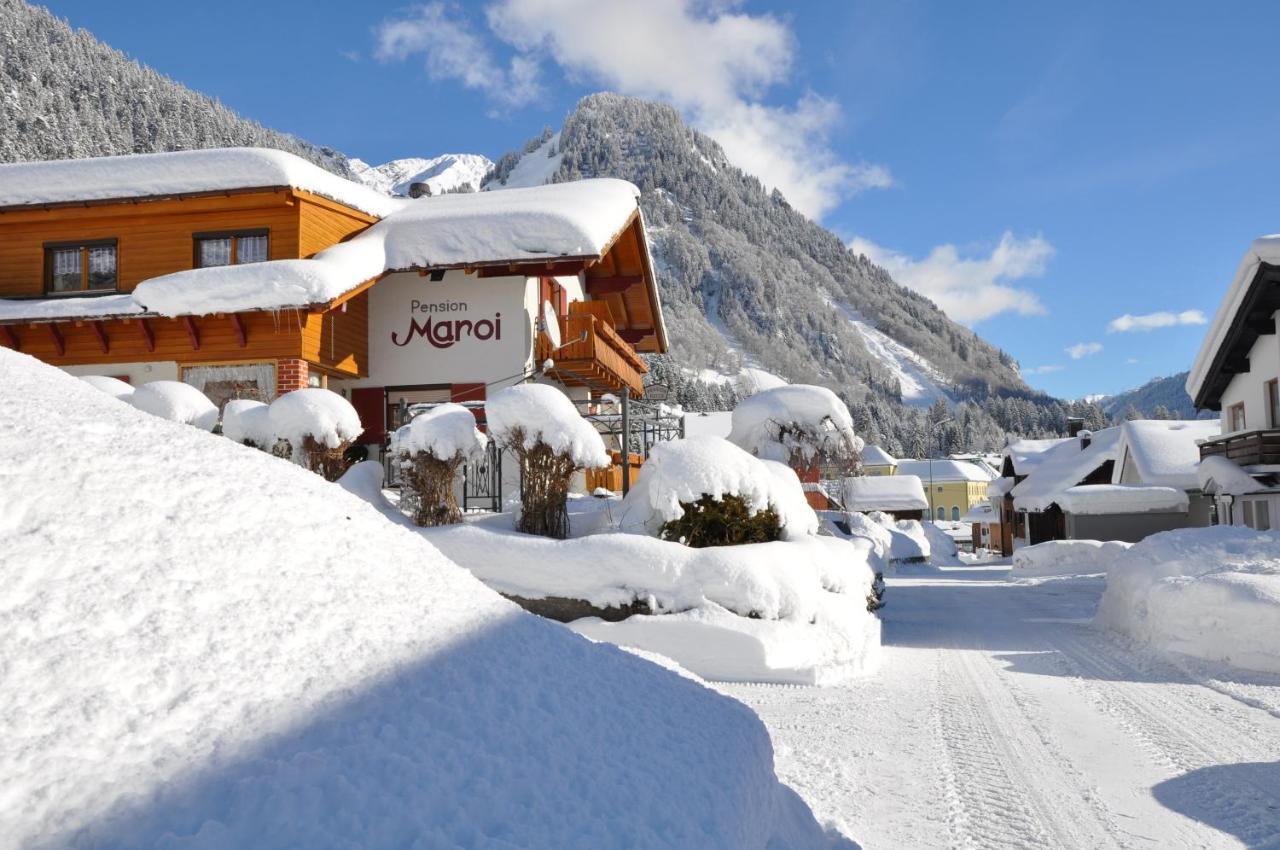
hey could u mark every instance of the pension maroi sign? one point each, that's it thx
(444, 332)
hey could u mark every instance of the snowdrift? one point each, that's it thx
(1067, 557)
(207, 646)
(1211, 593)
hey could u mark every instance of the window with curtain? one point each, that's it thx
(81, 267)
(231, 249)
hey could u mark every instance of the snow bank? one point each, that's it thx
(884, 493)
(540, 413)
(1067, 557)
(445, 431)
(177, 402)
(1122, 498)
(1211, 593)
(943, 551)
(218, 649)
(248, 421)
(686, 470)
(794, 419)
(313, 412)
(895, 542)
(113, 387)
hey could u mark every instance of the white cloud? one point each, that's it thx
(704, 57)
(1083, 349)
(1151, 321)
(453, 51)
(970, 289)
(1042, 370)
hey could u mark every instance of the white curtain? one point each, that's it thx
(215, 252)
(251, 249)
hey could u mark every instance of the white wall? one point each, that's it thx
(1249, 387)
(137, 373)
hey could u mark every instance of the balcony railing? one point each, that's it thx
(1246, 448)
(593, 354)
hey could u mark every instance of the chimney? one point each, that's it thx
(1086, 437)
(1075, 424)
(419, 190)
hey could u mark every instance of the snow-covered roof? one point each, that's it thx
(149, 175)
(1263, 250)
(884, 493)
(876, 456)
(1064, 466)
(1222, 476)
(998, 487)
(48, 309)
(1121, 499)
(944, 470)
(981, 512)
(1027, 454)
(1164, 452)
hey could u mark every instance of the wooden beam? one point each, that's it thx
(101, 334)
(238, 326)
(58, 342)
(606, 285)
(10, 338)
(193, 333)
(148, 335)
(542, 269)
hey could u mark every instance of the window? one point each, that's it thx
(942, 512)
(1273, 404)
(1261, 516)
(1248, 513)
(1235, 414)
(75, 267)
(232, 248)
(955, 513)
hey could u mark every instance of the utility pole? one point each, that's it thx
(626, 440)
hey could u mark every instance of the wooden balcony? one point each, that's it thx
(1246, 448)
(592, 353)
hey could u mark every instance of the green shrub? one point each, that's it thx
(727, 521)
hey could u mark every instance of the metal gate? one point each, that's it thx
(482, 481)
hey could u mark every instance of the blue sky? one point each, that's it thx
(1041, 170)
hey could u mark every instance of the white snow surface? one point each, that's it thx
(944, 469)
(445, 432)
(113, 387)
(686, 470)
(535, 168)
(1099, 499)
(538, 413)
(247, 421)
(766, 424)
(876, 456)
(178, 172)
(1067, 557)
(1164, 453)
(177, 402)
(445, 173)
(220, 650)
(1062, 466)
(96, 306)
(920, 381)
(1220, 475)
(1211, 593)
(313, 412)
(894, 542)
(1028, 454)
(867, 493)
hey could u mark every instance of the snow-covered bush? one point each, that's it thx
(706, 491)
(431, 448)
(318, 425)
(896, 541)
(797, 424)
(1211, 593)
(111, 386)
(177, 402)
(542, 428)
(248, 421)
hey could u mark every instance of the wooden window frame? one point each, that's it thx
(1272, 390)
(1231, 418)
(84, 245)
(233, 235)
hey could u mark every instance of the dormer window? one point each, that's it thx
(78, 267)
(230, 248)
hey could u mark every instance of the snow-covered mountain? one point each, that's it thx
(450, 172)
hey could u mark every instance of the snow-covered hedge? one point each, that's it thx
(248, 421)
(245, 656)
(111, 386)
(430, 449)
(318, 425)
(795, 423)
(1211, 593)
(1067, 557)
(177, 402)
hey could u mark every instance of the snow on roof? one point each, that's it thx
(1263, 250)
(1062, 466)
(90, 307)
(1121, 499)
(1164, 452)
(884, 493)
(1220, 475)
(876, 456)
(998, 487)
(1027, 454)
(178, 173)
(981, 512)
(944, 470)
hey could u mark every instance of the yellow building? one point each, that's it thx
(952, 487)
(876, 461)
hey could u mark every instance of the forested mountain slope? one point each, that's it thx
(1160, 398)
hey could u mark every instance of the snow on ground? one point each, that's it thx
(445, 173)
(1001, 718)
(1212, 593)
(922, 384)
(1067, 557)
(205, 646)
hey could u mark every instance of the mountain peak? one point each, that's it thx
(450, 172)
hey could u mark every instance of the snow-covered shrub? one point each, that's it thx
(177, 402)
(797, 424)
(318, 425)
(688, 477)
(542, 428)
(248, 421)
(111, 386)
(431, 449)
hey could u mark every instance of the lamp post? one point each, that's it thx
(933, 515)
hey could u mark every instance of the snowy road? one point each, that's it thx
(1002, 719)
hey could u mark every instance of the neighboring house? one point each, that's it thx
(250, 273)
(1166, 453)
(952, 486)
(984, 521)
(1018, 460)
(1236, 373)
(876, 461)
(901, 496)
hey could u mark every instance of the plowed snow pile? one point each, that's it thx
(208, 647)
